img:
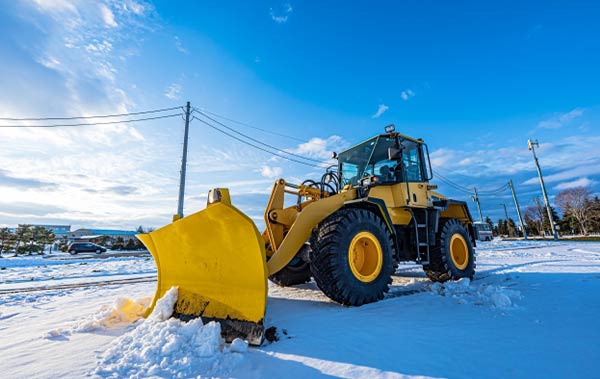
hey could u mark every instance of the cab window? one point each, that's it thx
(411, 159)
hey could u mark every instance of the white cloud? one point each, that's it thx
(55, 5)
(90, 169)
(587, 168)
(173, 92)
(108, 16)
(281, 15)
(179, 46)
(380, 110)
(270, 172)
(321, 148)
(407, 94)
(560, 120)
(581, 182)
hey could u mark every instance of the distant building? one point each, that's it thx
(58, 230)
(94, 234)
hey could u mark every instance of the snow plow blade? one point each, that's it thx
(216, 257)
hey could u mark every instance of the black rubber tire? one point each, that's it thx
(441, 267)
(329, 257)
(296, 272)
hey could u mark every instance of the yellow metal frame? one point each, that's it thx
(287, 229)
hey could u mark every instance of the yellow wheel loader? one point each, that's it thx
(348, 231)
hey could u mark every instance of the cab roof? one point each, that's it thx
(386, 135)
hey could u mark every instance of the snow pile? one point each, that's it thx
(465, 293)
(123, 311)
(161, 346)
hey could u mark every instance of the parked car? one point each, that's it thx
(85, 247)
(483, 232)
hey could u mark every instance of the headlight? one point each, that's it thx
(369, 181)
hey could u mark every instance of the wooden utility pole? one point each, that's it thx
(183, 164)
(476, 200)
(512, 189)
(531, 145)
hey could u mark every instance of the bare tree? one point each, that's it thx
(535, 216)
(576, 202)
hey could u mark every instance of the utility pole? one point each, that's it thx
(512, 189)
(476, 200)
(531, 145)
(183, 164)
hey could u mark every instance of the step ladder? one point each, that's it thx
(420, 229)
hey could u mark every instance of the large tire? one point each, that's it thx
(352, 257)
(296, 272)
(453, 256)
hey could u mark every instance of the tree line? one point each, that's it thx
(26, 239)
(580, 216)
(29, 240)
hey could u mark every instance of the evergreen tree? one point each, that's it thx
(512, 227)
(489, 221)
(6, 240)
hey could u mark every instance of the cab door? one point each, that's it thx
(417, 172)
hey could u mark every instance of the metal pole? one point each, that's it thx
(512, 189)
(183, 164)
(530, 145)
(476, 200)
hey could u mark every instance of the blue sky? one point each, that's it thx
(473, 79)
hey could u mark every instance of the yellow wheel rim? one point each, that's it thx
(365, 257)
(459, 251)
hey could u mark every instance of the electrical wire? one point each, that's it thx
(252, 145)
(458, 187)
(247, 125)
(92, 123)
(89, 117)
(259, 142)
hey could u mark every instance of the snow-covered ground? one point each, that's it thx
(531, 311)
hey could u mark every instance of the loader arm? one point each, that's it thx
(287, 229)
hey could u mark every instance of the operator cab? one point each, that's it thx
(385, 159)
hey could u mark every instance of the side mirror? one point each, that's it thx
(394, 154)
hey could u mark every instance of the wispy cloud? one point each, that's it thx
(179, 46)
(380, 110)
(108, 16)
(559, 120)
(173, 91)
(84, 47)
(581, 182)
(280, 14)
(407, 94)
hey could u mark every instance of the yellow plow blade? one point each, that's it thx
(217, 259)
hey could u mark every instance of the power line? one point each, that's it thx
(92, 123)
(259, 142)
(255, 146)
(468, 190)
(452, 184)
(89, 117)
(248, 125)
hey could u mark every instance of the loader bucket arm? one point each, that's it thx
(216, 257)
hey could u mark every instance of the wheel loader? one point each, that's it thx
(348, 231)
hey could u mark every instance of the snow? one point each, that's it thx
(167, 347)
(531, 311)
(465, 292)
